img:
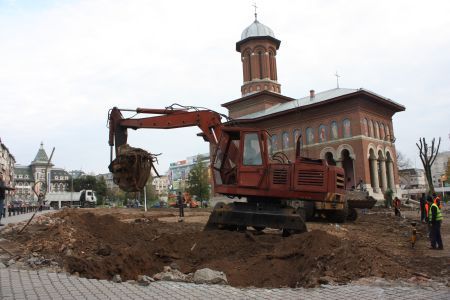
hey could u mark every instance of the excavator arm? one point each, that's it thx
(208, 121)
(131, 166)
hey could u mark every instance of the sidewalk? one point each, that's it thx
(21, 217)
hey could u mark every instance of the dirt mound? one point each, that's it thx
(101, 245)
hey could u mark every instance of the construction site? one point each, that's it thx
(104, 242)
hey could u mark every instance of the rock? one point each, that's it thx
(2, 265)
(11, 262)
(210, 276)
(116, 278)
(170, 275)
(325, 280)
(174, 266)
(144, 280)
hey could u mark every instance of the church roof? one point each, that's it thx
(41, 156)
(257, 29)
(318, 99)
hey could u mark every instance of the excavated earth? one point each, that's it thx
(100, 243)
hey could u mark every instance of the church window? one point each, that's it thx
(334, 130)
(297, 134)
(371, 128)
(346, 128)
(388, 133)
(273, 143)
(322, 133)
(285, 138)
(382, 134)
(365, 128)
(260, 60)
(377, 130)
(249, 66)
(309, 136)
(20, 176)
(56, 177)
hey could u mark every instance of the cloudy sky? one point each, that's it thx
(64, 63)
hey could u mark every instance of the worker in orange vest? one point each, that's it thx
(436, 198)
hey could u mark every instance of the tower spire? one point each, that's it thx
(256, 14)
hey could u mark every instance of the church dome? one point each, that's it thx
(257, 29)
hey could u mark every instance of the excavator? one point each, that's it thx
(276, 189)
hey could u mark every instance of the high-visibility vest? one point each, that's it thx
(427, 206)
(438, 213)
(435, 201)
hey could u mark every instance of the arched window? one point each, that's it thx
(365, 128)
(273, 143)
(334, 130)
(377, 130)
(285, 138)
(346, 128)
(260, 60)
(249, 66)
(382, 134)
(297, 133)
(309, 136)
(388, 133)
(371, 128)
(322, 133)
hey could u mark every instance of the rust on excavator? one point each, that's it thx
(277, 190)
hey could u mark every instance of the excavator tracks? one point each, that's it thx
(240, 215)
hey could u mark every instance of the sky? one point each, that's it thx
(65, 63)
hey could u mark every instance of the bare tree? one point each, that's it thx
(402, 161)
(427, 156)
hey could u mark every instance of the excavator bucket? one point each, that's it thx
(131, 168)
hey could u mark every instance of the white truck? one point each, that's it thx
(83, 198)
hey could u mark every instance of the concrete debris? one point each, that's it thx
(210, 276)
(116, 278)
(170, 274)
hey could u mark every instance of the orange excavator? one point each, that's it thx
(242, 167)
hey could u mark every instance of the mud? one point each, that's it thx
(99, 243)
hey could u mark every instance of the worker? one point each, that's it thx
(436, 198)
(180, 203)
(397, 204)
(435, 217)
(423, 202)
(427, 210)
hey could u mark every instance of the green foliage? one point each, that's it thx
(152, 196)
(86, 182)
(197, 181)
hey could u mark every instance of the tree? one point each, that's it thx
(197, 181)
(152, 196)
(427, 156)
(100, 190)
(87, 182)
(402, 161)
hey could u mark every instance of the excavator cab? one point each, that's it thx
(240, 159)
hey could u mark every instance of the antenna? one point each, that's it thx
(256, 14)
(337, 79)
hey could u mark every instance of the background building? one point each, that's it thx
(351, 128)
(440, 167)
(7, 162)
(179, 171)
(26, 177)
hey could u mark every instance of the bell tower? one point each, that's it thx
(258, 47)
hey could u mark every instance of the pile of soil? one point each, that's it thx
(99, 246)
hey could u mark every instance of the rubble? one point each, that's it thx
(110, 244)
(210, 276)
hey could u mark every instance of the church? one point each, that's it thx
(351, 128)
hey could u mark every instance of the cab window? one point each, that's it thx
(252, 150)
